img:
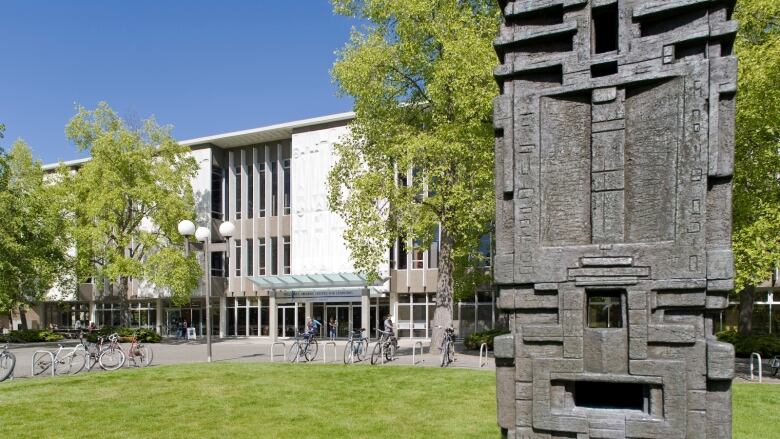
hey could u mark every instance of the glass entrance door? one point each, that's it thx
(173, 321)
(289, 320)
(342, 314)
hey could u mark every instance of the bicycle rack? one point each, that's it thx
(414, 348)
(284, 350)
(485, 346)
(760, 374)
(325, 351)
(32, 367)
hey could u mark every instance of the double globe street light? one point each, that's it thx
(203, 234)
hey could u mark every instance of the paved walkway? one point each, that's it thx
(259, 350)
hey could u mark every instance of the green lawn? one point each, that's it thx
(230, 400)
(281, 400)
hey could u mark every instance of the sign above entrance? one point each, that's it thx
(287, 296)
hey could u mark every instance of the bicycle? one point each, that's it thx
(65, 361)
(111, 357)
(447, 347)
(305, 346)
(140, 355)
(387, 344)
(7, 363)
(356, 348)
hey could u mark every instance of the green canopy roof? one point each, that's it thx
(305, 281)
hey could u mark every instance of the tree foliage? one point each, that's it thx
(420, 74)
(756, 237)
(128, 200)
(34, 238)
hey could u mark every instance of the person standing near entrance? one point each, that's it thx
(332, 328)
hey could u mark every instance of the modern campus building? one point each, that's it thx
(287, 259)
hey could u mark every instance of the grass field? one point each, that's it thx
(230, 400)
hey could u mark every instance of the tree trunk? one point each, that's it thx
(124, 308)
(442, 315)
(23, 317)
(746, 298)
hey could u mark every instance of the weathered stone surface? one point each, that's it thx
(614, 157)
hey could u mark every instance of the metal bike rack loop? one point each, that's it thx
(414, 349)
(481, 347)
(760, 374)
(325, 351)
(284, 350)
(35, 354)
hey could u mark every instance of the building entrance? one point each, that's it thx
(289, 320)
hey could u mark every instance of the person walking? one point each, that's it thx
(332, 329)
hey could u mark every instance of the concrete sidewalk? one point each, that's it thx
(259, 350)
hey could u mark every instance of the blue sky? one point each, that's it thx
(205, 67)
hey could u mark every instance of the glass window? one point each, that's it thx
(249, 257)
(286, 254)
(417, 255)
(274, 256)
(605, 310)
(401, 254)
(433, 252)
(238, 257)
(261, 256)
(274, 189)
(485, 244)
(218, 264)
(261, 189)
(250, 191)
(392, 257)
(238, 186)
(287, 187)
(217, 181)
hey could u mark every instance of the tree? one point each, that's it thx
(34, 238)
(756, 236)
(127, 201)
(420, 153)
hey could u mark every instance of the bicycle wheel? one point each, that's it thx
(389, 352)
(72, 364)
(376, 353)
(348, 352)
(111, 358)
(41, 364)
(445, 355)
(295, 351)
(144, 355)
(311, 350)
(7, 363)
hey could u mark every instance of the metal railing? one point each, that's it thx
(760, 372)
(483, 346)
(414, 349)
(325, 351)
(35, 357)
(284, 350)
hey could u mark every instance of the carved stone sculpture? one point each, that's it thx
(614, 160)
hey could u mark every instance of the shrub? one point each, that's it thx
(31, 336)
(475, 340)
(744, 345)
(144, 335)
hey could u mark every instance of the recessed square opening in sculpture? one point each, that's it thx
(605, 28)
(605, 309)
(610, 395)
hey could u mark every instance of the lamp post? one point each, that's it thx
(203, 234)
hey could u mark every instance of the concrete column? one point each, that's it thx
(92, 312)
(222, 316)
(308, 310)
(365, 310)
(158, 311)
(273, 331)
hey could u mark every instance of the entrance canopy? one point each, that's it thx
(313, 281)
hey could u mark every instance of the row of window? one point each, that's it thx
(399, 252)
(218, 258)
(253, 199)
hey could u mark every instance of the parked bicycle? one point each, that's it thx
(386, 345)
(111, 356)
(7, 363)
(305, 346)
(63, 361)
(357, 346)
(447, 347)
(140, 355)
